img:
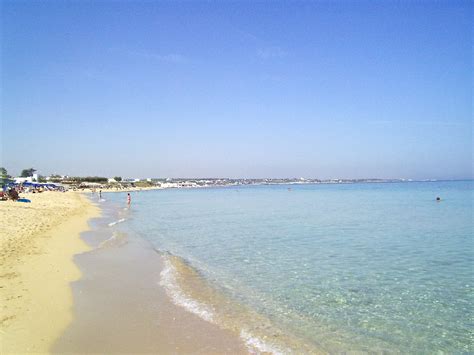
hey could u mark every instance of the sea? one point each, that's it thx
(308, 268)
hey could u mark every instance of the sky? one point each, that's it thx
(314, 89)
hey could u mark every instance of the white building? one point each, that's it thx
(131, 180)
(19, 180)
(169, 185)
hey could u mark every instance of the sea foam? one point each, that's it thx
(256, 345)
(107, 241)
(169, 282)
(116, 222)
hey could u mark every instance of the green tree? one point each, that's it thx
(27, 172)
(4, 177)
(4, 173)
(89, 179)
(118, 178)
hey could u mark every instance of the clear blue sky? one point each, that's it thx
(326, 89)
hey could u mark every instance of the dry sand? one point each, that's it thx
(37, 244)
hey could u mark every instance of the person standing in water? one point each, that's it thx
(100, 194)
(129, 199)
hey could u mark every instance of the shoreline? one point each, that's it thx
(171, 284)
(38, 243)
(187, 286)
(108, 189)
(52, 294)
(115, 311)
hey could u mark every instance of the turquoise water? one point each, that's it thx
(361, 267)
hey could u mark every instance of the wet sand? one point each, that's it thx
(119, 306)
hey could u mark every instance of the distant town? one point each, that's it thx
(118, 182)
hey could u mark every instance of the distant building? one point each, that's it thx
(20, 180)
(169, 185)
(131, 180)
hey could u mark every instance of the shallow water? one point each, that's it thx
(119, 305)
(361, 267)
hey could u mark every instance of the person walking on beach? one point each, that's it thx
(129, 199)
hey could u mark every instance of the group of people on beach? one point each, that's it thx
(9, 194)
(13, 192)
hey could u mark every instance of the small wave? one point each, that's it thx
(169, 282)
(114, 223)
(107, 241)
(236, 320)
(116, 240)
(257, 346)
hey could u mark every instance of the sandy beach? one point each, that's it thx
(65, 290)
(37, 243)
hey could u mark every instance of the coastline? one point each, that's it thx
(186, 279)
(129, 189)
(111, 290)
(120, 305)
(53, 297)
(169, 308)
(38, 241)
